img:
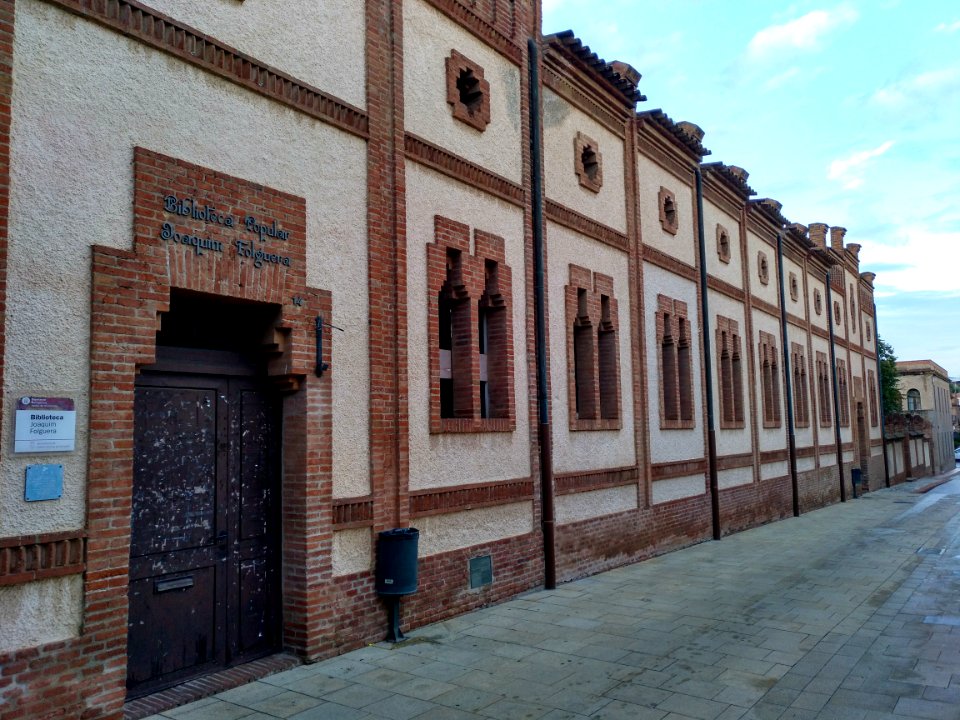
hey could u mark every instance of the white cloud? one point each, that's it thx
(917, 262)
(848, 170)
(804, 33)
(782, 79)
(948, 27)
(906, 91)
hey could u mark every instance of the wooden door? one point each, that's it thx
(204, 554)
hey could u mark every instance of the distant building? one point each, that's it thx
(925, 388)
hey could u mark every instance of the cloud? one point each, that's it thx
(848, 169)
(948, 28)
(783, 78)
(804, 33)
(925, 84)
(916, 262)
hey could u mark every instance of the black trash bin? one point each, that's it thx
(397, 561)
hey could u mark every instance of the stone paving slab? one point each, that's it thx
(851, 612)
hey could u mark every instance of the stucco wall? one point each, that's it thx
(794, 307)
(446, 459)
(84, 97)
(734, 478)
(561, 123)
(352, 551)
(428, 38)
(666, 490)
(668, 445)
(293, 36)
(683, 245)
(817, 320)
(732, 271)
(40, 612)
(587, 450)
(771, 291)
(442, 533)
(583, 506)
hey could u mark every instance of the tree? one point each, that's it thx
(890, 396)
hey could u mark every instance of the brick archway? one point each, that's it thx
(194, 247)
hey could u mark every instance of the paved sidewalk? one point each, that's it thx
(851, 612)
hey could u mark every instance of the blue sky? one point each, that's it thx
(848, 113)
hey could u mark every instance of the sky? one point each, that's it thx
(848, 113)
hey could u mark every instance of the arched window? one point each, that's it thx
(913, 400)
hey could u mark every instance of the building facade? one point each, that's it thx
(265, 297)
(925, 391)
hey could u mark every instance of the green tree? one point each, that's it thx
(889, 379)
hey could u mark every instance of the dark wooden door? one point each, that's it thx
(205, 540)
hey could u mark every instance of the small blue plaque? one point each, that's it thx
(44, 482)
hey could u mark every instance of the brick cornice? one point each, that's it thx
(734, 462)
(438, 501)
(459, 168)
(479, 27)
(162, 32)
(26, 558)
(578, 482)
(659, 258)
(725, 288)
(352, 512)
(555, 78)
(562, 215)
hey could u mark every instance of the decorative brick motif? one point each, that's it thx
(801, 396)
(730, 375)
(352, 512)
(27, 558)
(843, 391)
(471, 331)
(794, 287)
(469, 497)
(817, 301)
(586, 226)
(593, 352)
(468, 93)
(674, 364)
(723, 244)
(770, 379)
(588, 162)
(669, 215)
(763, 267)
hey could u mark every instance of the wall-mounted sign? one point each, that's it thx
(45, 424)
(44, 482)
(263, 231)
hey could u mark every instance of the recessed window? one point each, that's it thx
(817, 302)
(669, 218)
(592, 351)
(794, 287)
(763, 267)
(468, 93)
(675, 364)
(869, 332)
(770, 379)
(723, 244)
(731, 373)
(801, 398)
(823, 389)
(843, 391)
(913, 400)
(587, 162)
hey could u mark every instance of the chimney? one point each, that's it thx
(627, 71)
(836, 238)
(691, 129)
(818, 235)
(854, 249)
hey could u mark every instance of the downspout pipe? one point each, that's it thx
(791, 429)
(708, 367)
(883, 415)
(544, 435)
(836, 392)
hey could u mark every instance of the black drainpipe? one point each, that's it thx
(883, 416)
(791, 430)
(543, 399)
(836, 392)
(708, 370)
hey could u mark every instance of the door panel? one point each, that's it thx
(204, 584)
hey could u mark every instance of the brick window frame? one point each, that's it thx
(730, 373)
(723, 244)
(763, 267)
(843, 390)
(823, 390)
(593, 352)
(674, 364)
(817, 301)
(872, 390)
(471, 286)
(794, 287)
(468, 92)
(588, 162)
(801, 396)
(667, 208)
(770, 379)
